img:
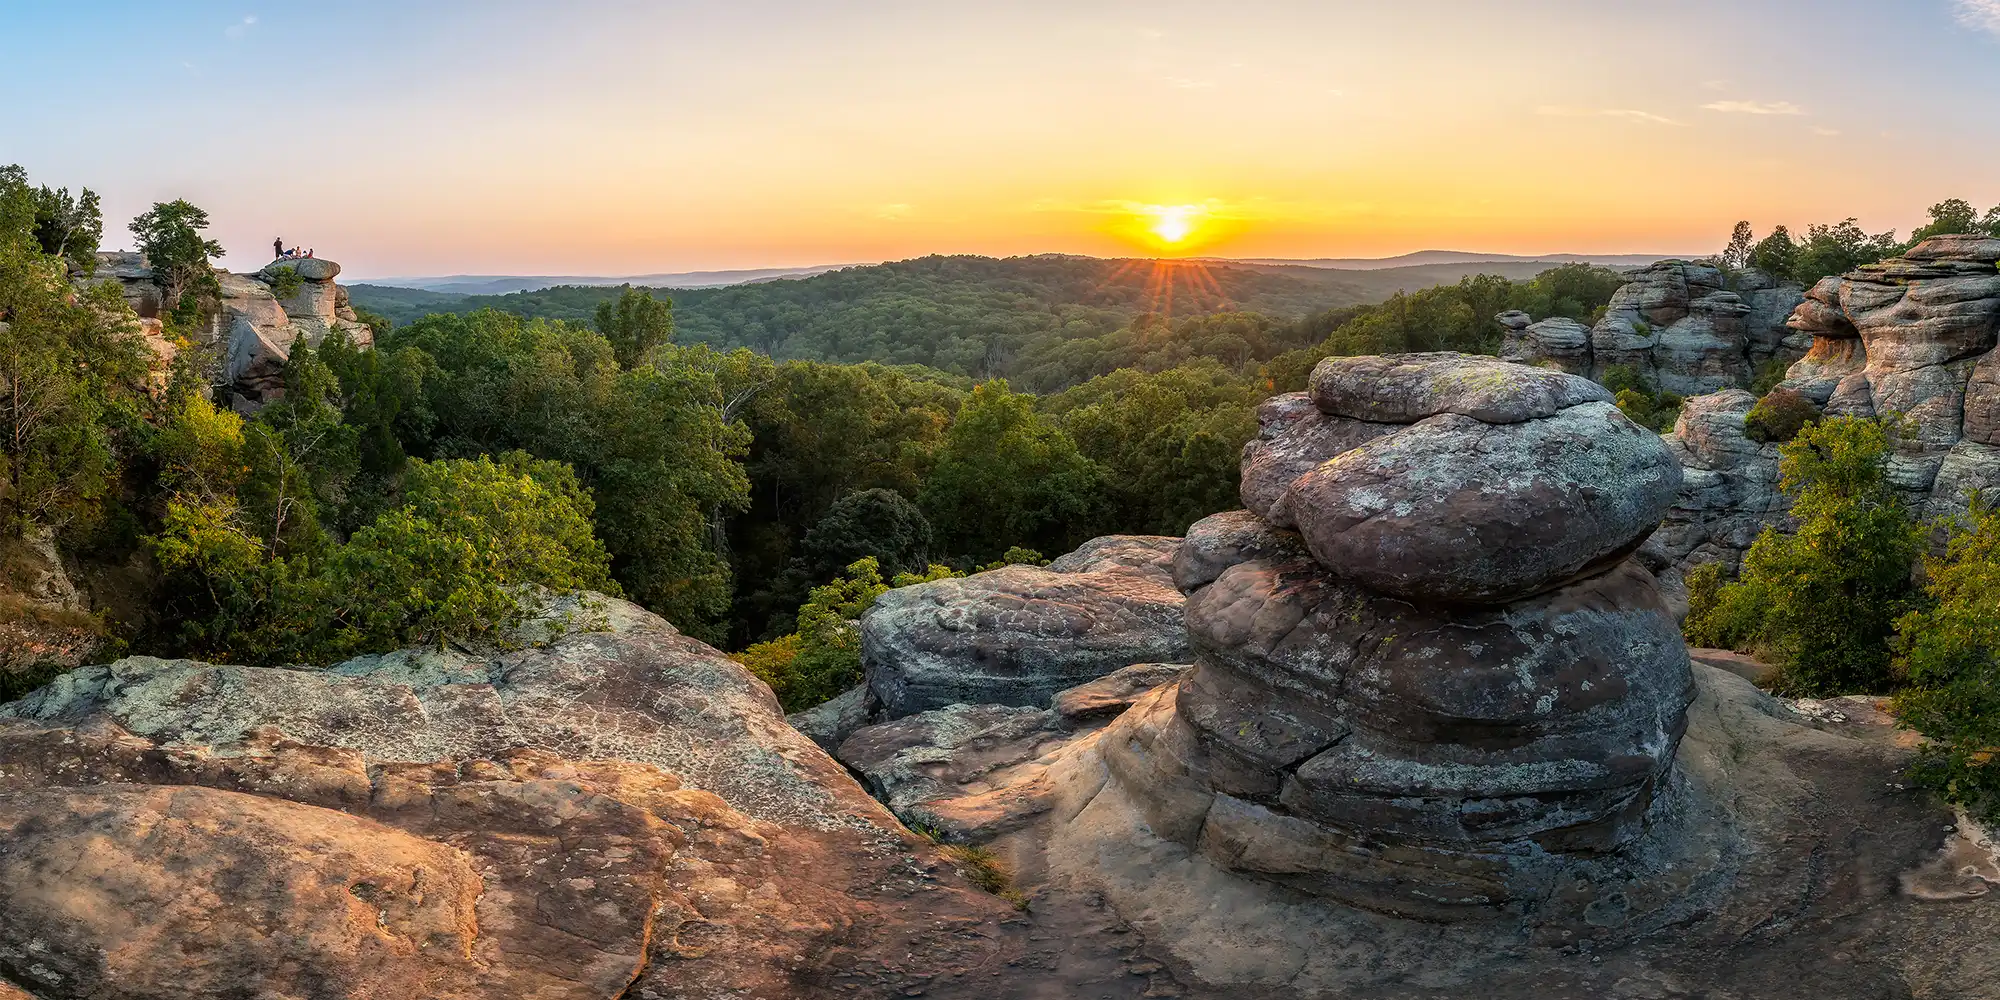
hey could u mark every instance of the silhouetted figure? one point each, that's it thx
(309, 254)
(278, 247)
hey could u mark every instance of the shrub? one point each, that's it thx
(1779, 416)
(1822, 602)
(823, 658)
(285, 282)
(1950, 654)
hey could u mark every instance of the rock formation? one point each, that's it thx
(253, 331)
(1018, 635)
(1454, 655)
(1912, 338)
(623, 813)
(1685, 327)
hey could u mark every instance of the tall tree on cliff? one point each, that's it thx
(169, 234)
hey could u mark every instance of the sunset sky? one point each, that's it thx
(621, 138)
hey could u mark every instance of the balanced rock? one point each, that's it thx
(1452, 666)
(1455, 509)
(1017, 635)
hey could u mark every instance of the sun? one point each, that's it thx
(1172, 224)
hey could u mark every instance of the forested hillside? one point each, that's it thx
(402, 494)
(1017, 318)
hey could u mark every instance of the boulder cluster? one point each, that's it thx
(254, 328)
(1684, 327)
(1424, 655)
(1912, 338)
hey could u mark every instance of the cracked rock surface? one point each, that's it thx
(621, 814)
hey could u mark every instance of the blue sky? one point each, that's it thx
(632, 137)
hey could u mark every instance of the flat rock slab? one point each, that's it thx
(1406, 388)
(622, 813)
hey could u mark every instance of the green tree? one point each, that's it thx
(1742, 241)
(18, 205)
(72, 380)
(635, 323)
(1007, 476)
(1837, 249)
(452, 563)
(1950, 653)
(1822, 602)
(1951, 217)
(823, 658)
(652, 443)
(1170, 443)
(69, 227)
(1776, 254)
(877, 524)
(170, 235)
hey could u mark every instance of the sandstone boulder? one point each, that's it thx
(1293, 438)
(1219, 541)
(312, 269)
(621, 813)
(1406, 388)
(1017, 635)
(1452, 508)
(1558, 342)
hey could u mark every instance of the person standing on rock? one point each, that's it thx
(278, 248)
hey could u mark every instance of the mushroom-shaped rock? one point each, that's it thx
(1405, 388)
(1456, 509)
(309, 268)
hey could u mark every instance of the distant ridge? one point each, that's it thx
(502, 284)
(1457, 257)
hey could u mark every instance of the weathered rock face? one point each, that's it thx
(253, 331)
(623, 813)
(1454, 509)
(1912, 338)
(1686, 327)
(1452, 664)
(1016, 636)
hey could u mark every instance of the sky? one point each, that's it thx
(433, 137)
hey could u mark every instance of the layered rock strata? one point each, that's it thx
(1686, 327)
(1910, 339)
(1453, 665)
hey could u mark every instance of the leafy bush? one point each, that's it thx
(285, 282)
(1640, 401)
(1779, 416)
(1821, 603)
(1950, 654)
(823, 658)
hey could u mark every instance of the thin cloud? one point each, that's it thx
(1823, 130)
(1755, 107)
(1981, 14)
(1629, 114)
(241, 28)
